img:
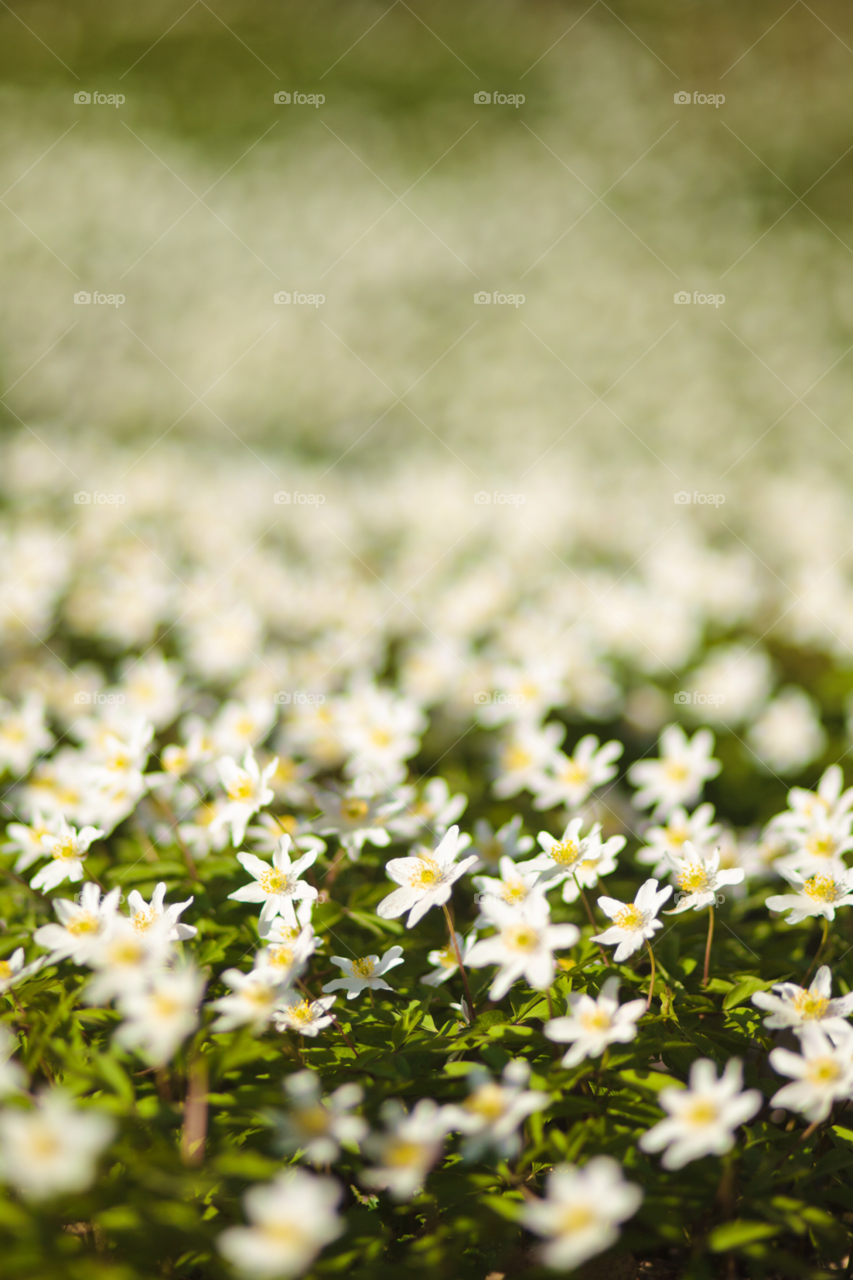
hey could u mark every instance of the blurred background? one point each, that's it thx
(682, 466)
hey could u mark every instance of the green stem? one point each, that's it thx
(708, 945)
(585, 902)
(455, 946)
(652, 978)
(821, 945)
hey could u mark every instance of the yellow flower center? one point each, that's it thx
(629, 917)
(285, 769)
(596, 1020)
(44, 1143)
(676, 771)
(381, 737)
(574, 1218)
(313, 1120)
(353, 809)
(144, 919)
(515, 758)
(83, 923)
(822, 846)
(287, 823)
(823, 1070)
(5, 970)
(809, 1004)
(489, 1101)
(514, 891)
(701, 1112)
(447, 958)
(574, 773)
(281, 956)
(566, 853)
(165, 1006)
(284, 1235)
(821, 888)
(126, 951)
(521, 938)
(66, 849)
(260, 994)
(676, 835)
(426, 874)
(363, 968)
(175, 759)
(241, 788)
(300, 1012)
(274, 881)
(399, 1154)
(694, 878)
(491, 850)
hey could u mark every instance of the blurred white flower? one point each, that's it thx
(54, 1147)
(523, 945)
(161, 1015)
(788, 735)
(320, 1126)
(797, 1007)
(80, 923)
(677, 778)
(581, 1211)
(702, 1118)
(569, 780)
(292, 1218)
(247, 790)
(594, 1023)
(491, 1115)
(822, 1074)
(67, 850)
(404, 1154)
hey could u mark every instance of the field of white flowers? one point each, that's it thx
(426, 614)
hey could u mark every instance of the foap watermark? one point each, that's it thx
(284, 99)
(483, 299)
(683, 99)
(484, 499)
(683, 298)
(684, 499)
(483, 699)
(298, 697)
(83, 98)
(719, 899)
(299, 299)
(693, 698)
(297, 499)
(85, 499)
(84, 698)
(483, 99)
(84, 299)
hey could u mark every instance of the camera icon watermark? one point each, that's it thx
(683, 298)
(83, 698)
(483, 99)
(82, 98)
(693, 697)
(84, 299)
(482, 699)
(484, 299)
(85, 499)
(285, 99)
(284, 299)
(682, 99)
(684, 499)
(284, 499)
(484, 499)
(297, 697)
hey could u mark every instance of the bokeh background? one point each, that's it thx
(598, 400)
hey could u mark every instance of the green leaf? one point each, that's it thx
(742, 992)
(733, 1235)
(509, 1205)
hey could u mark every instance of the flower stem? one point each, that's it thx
(821, 945)
(455, 945)
(195, 1114)
(652, 978)
(585, 901)
(708, 945)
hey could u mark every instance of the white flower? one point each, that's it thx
(308, 1017)
(67, 849)
(406, 1152)
(152, 687)
(13, 1077)
(365, 973)
(319, 1126)
(788, 735)
(699, 878)
(569, 780)
(491, 1114)
(247, 792)
(357, 817)
(13, 970)
(436, 809)
(380, 730)
(514, 885)
(444, 958)
(633, 923)
(491, 846)
(54, 1147)
(820, 895)
(80, 923)
(680, 774)
(266, 836)
(523, 946)
(581, 1210)
(292, 1219)
(828, 808)
(23, 734)
(162, 1014)
(524, 755)
(287, 951)
(427, 878)
(822, 1075)
(575, 861)
(254, 997)
(667, 843)
(143, 914)
(125, 958)
(593, 1024)
(820, 851)
(798, 1007)
(278, 886)
(28, 839)
(241, 726)
(702, 1119)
